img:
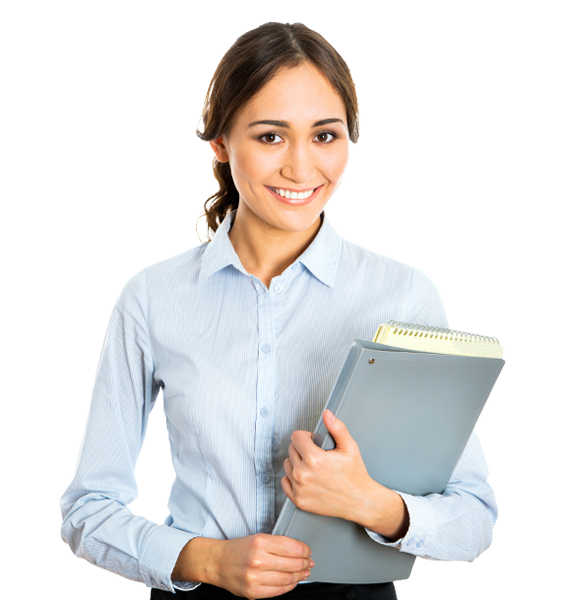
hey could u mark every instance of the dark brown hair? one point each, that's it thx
(253, 60)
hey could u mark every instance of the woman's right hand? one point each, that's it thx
(256, 566)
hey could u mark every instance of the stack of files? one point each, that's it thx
(410, 399)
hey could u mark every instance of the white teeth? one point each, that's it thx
(293, 195)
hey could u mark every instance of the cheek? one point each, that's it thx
(335, 165)
(252, 167)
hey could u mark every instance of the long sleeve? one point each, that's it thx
(97, 524)
(455, 525)
(458, 524)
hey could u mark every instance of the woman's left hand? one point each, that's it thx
(336, 483)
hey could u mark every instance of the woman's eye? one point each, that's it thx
(325, 134)
(270, 138)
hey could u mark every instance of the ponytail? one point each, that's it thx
(225, 200)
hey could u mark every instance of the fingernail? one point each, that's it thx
(307, 574)
(312, 563)
(332, 416)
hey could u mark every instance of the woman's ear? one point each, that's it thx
(219, 148)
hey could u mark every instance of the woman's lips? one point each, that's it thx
(297, 201)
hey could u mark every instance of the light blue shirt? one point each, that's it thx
(241, 367)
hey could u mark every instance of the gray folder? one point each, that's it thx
(412, 414)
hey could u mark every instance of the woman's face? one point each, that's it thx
(290, 139)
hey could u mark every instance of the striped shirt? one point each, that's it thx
(241, 367)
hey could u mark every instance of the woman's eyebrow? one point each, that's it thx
(286, 124)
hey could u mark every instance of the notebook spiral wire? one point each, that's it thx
(424, 331)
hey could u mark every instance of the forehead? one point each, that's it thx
(300, 95)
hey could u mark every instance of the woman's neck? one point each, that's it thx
(265, 251)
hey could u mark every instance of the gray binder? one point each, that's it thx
(412, 414)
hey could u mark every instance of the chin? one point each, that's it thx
(297, 223)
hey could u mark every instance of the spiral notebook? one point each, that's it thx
(411, 405)
(437, 340)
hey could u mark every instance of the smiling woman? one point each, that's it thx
(246, 335)
(285, 163)
(247, 70)
(278, 114)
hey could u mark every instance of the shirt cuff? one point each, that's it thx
(421, 531)
(185, 586)
(159, 558)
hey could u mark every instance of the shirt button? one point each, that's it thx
(278, 288)
(293, 267)
(266, 348)
(410, 541)
(162, 585)
(265, 477)
(420, 544)
(264, 411)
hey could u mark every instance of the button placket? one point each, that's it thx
(266, 373)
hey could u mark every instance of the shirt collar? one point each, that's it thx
(321, 257)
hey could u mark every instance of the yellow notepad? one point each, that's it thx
(437, 340)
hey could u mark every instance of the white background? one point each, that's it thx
(459, 171)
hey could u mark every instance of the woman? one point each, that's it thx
(246, 336)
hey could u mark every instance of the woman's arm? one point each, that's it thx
(256, 566)
(458, 524)
(455, 525)
(97, 523)
(337, 484)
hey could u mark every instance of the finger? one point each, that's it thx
(285, 571)
(304, 445)
(288, 470)
(276, 589)
(285, 564)
(287, 488)
(283, 577)
(282, 545)
(339, 432)
(294, 456)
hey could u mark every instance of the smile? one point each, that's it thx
(295, 198)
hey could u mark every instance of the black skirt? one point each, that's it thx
(305, 591)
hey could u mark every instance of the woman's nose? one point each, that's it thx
(298, 164)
